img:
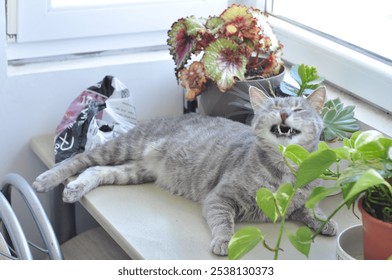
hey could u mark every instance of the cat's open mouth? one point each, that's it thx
(281, 130)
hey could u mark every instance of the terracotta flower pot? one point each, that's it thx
(231, 104)
(377, 236)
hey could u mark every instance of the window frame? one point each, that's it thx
(364, 76)
(118, 31)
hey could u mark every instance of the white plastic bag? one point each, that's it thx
(98, 114)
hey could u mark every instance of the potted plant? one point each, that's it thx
(221, 51)
(365, 180)
(338, 119)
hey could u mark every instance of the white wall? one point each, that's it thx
(33, 98)
(33, 102)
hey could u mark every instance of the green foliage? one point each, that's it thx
(313, 166)
(338, 120)
(243, 241)
(301, 240)
(369, 158)
(307, 79)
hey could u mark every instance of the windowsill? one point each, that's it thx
(369, 116)
(86, 61)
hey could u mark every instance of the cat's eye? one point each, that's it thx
(297, 109)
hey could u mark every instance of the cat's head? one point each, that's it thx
(287, 120)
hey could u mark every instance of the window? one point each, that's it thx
(48, 27)
(359, 23)
(346, 39)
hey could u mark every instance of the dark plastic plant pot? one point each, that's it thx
(231, 104)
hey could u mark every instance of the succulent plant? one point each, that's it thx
(338, 120)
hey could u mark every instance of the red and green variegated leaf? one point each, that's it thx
(195, 26)
(224, 62)
(181, 44)
(239, 22)
(214, 24)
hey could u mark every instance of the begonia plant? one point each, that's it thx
(238, 44)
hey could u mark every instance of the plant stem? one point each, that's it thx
(302, 89)
(282, 223)
(277, 246)
(327, 220)
(331, 178)
(289, 166)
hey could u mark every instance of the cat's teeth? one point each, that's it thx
(284, 131)
(280, 132)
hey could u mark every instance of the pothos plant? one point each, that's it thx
(338, 119)
(238, 44)
(369, 158)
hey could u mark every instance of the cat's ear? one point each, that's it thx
(257, 98)
(317, 98)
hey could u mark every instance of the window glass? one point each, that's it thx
(45, 20)
(361, 23)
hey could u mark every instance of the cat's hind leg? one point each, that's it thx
(129, 173)
(308, 217)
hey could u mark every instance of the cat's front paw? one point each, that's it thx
(46, 181)
(330, 229)
(220, 245)
(73, 192)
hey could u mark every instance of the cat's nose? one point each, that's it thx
(284, 115)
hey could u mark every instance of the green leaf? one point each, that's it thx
(308, 73)
(214, 24)
(319, 194)
(282, 196)
(366, 137)
(244, 240)
(295, 153)
(314, 84)
(224, 63)
(343, 152)
(195, 25)
(372, 144)
(323, 146)
(313, 166)
(369, 179)
(301, 240)
(266, 201)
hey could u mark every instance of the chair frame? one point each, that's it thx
(13, 230)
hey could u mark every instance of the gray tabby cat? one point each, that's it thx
(214, 161)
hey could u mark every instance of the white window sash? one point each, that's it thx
(37, 21)
(42, 32)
